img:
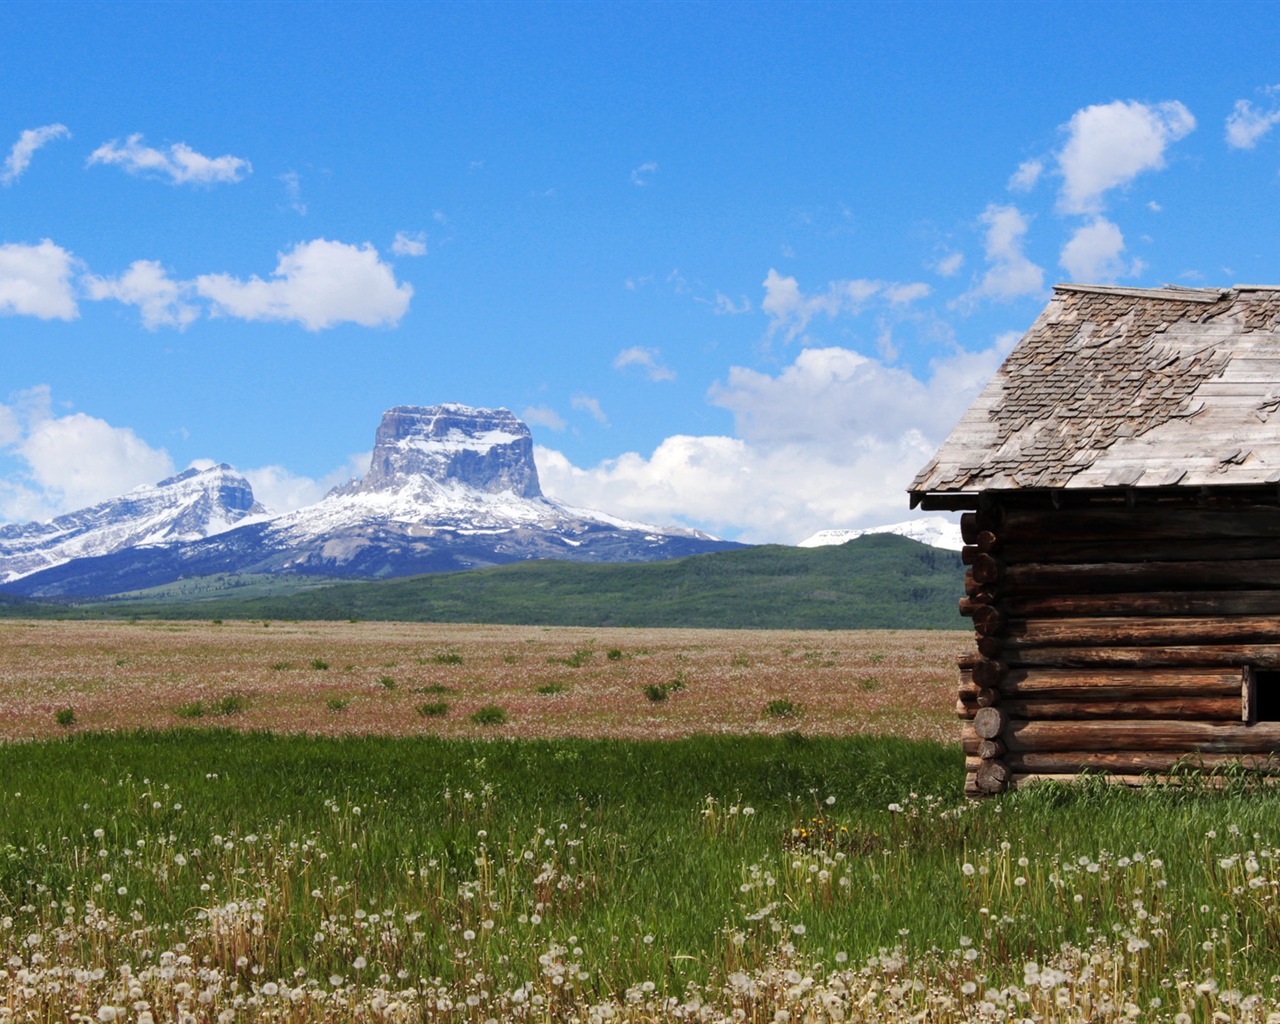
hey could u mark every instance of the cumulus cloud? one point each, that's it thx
(281, 490)
(1093, 254)
(1110, 144)
(35, 280)
(70, 461)
(147, 285)
(406, 244)
(543, 416)
(1247, 124)
(647, 360)
(1025, 177)
(642, 174)
(19, 158)
(833, 440)
(1010, 274)
(591, 406)
(790, 310)
(317, 284)
(180, 164)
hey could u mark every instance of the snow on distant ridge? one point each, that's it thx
(936, 531)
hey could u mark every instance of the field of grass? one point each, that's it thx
(208, 875)
(752, 863)
(377, 678)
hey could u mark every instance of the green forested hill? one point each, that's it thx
(879, 581)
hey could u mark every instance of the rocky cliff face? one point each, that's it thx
(195, 504)
(449, 488)
(487, 450)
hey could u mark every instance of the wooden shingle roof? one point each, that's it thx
(1126, 387)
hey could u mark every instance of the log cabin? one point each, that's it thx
(1119, 480)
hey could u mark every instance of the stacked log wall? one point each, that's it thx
(1117, 637)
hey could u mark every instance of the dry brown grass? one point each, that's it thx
(117, 675)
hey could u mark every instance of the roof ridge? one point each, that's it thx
(1176, 292)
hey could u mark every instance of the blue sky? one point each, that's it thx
(740, 266)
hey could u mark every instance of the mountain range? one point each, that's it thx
(449, 487)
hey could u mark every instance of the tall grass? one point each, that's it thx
(251, 876)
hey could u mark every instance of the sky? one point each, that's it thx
(738, 266)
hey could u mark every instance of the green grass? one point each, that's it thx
(875, 582)
(680, 863)
(781, 708)
(490, 714)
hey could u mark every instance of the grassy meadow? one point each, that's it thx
(240, 865)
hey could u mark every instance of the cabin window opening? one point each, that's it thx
(1266, 695)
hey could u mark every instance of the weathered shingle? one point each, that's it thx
(1126, 387)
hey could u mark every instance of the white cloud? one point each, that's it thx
(591, 406)
(406, 244)
(1093, 254)
(722, 305)
(647, 360)
(1025, 177)
(148, 286)
(19, 158)
(831, 441)
(950, 264)
(181, 164)
(317, 284)
(292, 182)
(1108, 145)
(642, 174)
(283, 491)
(790, 310)
(1247, 124)
(905, 294)
(543, 416)
(35, 280)
(71, 461)
(1010, 274)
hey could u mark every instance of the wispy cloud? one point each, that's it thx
(19, 158)
(292, 181)
(543, 416)
(950, 264)
(790, 310)
(406, 244)
(1025, 177)
(1010, 274)
(180, 164)
(647, 360)
(643, 174)
(591, 406)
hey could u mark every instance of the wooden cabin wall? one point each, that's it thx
(1118, 637)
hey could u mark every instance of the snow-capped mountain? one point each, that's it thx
(935, 531)
(449, 487)
(192, 505)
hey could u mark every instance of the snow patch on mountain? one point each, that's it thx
(936, 531)
(194, 504)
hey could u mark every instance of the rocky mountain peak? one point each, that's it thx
(489, 450)
(191, 505)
